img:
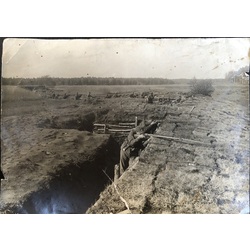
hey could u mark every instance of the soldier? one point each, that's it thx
(134, 144)
(150, 98)
(78, 96)
(65, 96)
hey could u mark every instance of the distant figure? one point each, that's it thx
(134, 144)
(117, 95)
(150, 98)
(133, 95)
(183, 98)
(65, 96)
(89, 95)
(178, 99)
(78, 96)
(144, 94)
(109, 95)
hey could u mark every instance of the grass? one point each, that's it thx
(100, 89)
(16, 93)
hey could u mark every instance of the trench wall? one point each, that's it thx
(182, 177)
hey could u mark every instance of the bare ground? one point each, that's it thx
(53, 162)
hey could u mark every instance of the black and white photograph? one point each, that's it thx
(125, 126)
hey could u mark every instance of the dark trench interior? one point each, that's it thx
(77, 186)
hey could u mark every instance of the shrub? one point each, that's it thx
(202, 87)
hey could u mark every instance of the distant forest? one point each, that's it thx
(53, 81)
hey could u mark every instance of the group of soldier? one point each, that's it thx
(66, 96)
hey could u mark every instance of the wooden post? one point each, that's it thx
(136, 121)
(105, 128)
(116, 172)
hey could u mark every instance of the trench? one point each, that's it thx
(76, 186)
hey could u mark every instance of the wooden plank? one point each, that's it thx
(127, 123)
(189, 141)
(118, 126)
(114, 130)
(119, 130)
(112, 125)
(100, 129)
(99, 125)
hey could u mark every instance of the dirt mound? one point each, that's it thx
(72, 121)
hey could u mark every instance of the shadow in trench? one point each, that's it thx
(76, 187)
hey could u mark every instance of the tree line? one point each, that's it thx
(233, 73)
(53, 81)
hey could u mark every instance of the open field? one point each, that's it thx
(54, 161)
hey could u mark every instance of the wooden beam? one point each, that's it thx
(189, 141)
(99, 125)
(118, 126)
(119, 130)
(113, 130)
(112, 125)
(127, 123)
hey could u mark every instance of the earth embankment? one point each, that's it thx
(207, 173)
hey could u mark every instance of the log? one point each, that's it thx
(113, 130)
(127, 123)
(112, 125)
(118, 126)
(100, 129)
(119, 130)
(189, 141)
(99, 125)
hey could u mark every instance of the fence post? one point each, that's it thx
(116, 172)
(136, 121)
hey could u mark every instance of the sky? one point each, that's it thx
(163, 58)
